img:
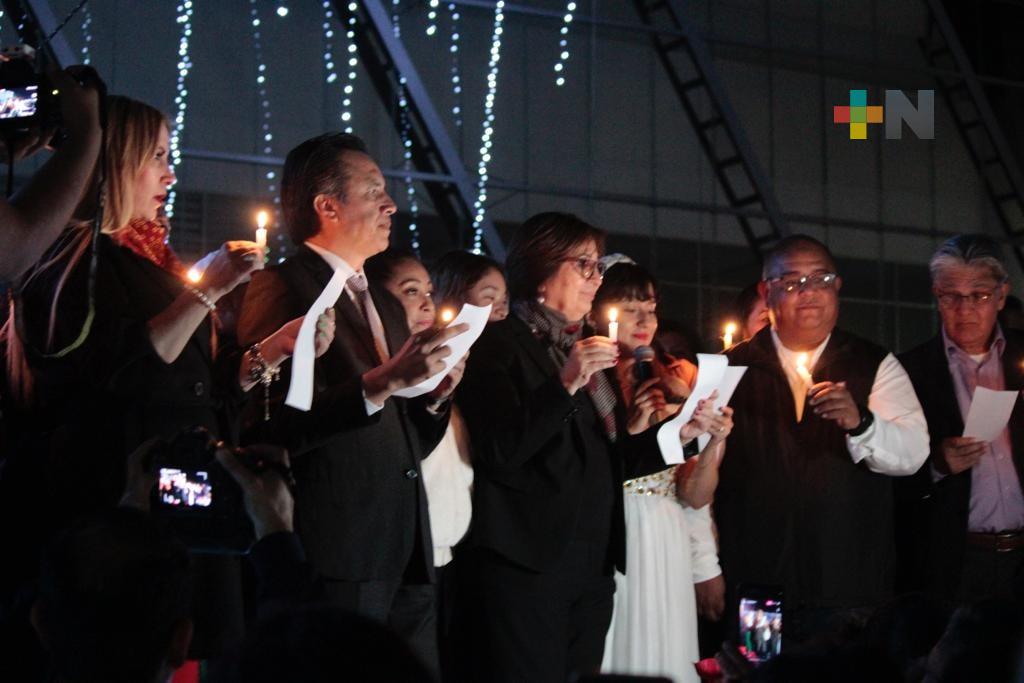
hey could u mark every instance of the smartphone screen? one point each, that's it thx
(185, 488)
(18, 103)
(761, 623)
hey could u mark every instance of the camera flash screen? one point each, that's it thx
(18, 103)
(180, 488)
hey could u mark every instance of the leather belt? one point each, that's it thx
(1000, 542)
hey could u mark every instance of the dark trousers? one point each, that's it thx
(407, 609)
(539, 627)
(991, 574)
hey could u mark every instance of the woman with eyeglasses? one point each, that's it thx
(671, 557)
(549, 437)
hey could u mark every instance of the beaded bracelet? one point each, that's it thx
(204, 299)
(261, 372)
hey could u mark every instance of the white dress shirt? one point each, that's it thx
(337, 263)
(896, 443)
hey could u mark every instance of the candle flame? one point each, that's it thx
(447, 315)
(261, 219)
(730, 328)
(613, 314)
(194, 275)
(801, 360)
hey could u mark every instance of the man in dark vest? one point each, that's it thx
(965, 508)
(805, 498)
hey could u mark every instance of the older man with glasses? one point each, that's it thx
(965, 510)
(805, 501)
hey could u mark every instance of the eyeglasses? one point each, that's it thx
(952, 300)
(816, 281)
(587, 267)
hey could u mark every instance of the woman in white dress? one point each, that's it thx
(670, 545)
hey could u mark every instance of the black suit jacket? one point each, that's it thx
(360, 505)
(527, 450)
(932, 516)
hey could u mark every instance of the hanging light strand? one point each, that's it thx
(432, 16)
(353, 61)
(184, 66)
(330, 72)
(405, 127)
(453, 49)
(86, 35)
(486, 137)
(563, 44)
(265, 133)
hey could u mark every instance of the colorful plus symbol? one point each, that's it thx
(858, 114)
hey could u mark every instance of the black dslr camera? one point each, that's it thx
(27, 98)
(198, 498)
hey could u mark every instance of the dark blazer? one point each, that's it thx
(932, 516)
(527, 450)
(360, 505)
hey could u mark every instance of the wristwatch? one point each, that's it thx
(867, 418)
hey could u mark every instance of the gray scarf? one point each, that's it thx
(558, 335)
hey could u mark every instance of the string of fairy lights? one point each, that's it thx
(563, 43)
(340, 59)
(184, 66)
(456, 77)
(405, 130)
(487, 133)
(265, 132)
(331, 60)
(86, 34)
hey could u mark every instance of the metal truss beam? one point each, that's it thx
(693, 75)
(977, 124)
(34, 20)
(433, 152)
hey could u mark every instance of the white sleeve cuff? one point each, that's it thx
(371, 407)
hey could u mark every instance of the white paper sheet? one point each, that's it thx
(476, 317)
(731, 379)
(710, 373)
(990, 411)
(300, 389)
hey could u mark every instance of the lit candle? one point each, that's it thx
(613, 324)
(729, 331)
(801, 369)
(261, 228)
(194, 275)
(446, 315)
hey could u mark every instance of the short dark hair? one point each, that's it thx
(111, 590)
(790, 244)
(455, 273)
(314, 167)
(746, 300)
(538, 246)
(626, 281)
(380, 267)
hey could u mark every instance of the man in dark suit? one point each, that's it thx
(962, 518)
(360, 505)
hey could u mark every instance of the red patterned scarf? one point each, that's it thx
(148, 239)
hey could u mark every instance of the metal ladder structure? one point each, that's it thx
(977, 124)
(388, 62)
(690, 69)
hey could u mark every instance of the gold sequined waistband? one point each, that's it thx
(658, 484)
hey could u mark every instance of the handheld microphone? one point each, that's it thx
(643, 368)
